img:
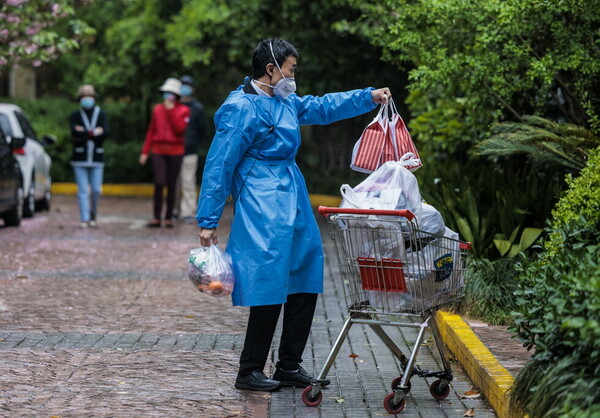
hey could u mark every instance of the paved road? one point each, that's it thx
(105, 323)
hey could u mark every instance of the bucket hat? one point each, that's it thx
(86, 90)
(172, 85)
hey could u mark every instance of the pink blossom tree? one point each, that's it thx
(37, 31)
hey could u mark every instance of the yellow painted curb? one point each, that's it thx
(142, 190)
(146, 190)
(325, 200)
(482, 367)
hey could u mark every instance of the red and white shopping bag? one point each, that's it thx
(368, 150)
(385, 139)
(404, 145)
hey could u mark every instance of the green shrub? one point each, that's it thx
(489, 289)
(558, 308)
(564, 387)
(50, 116)
(486, 201)
(583, 198)
(127, 120)
(558, 314)
(121, 163)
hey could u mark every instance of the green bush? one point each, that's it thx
(121, 163)
(128, 120)
(558, 314)
(583, 198)
(486, 201)
(558, 308)
(489, 288)
(50, 116)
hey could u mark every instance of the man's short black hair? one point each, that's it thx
(262, 56)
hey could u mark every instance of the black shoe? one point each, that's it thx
(257, 380)
(299, 379)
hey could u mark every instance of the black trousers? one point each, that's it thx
(298, 313)
(166, 171)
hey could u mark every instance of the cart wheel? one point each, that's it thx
(391, 407)
(435, 391)
(310, 401)
(396, 384)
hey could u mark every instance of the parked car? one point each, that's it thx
(11, 188)
(33, 159)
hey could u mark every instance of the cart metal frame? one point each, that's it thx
(393, 271)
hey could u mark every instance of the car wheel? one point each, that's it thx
(29, 206)
(13, 217)
(44, 204)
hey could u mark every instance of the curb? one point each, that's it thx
(482, 367)
(131, 190)
(146, 190)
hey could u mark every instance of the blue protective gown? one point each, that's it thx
(274, 243)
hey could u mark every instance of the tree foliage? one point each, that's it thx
(582, 199)
(139, 43)
(543, 141)
(475, 63)
(37, 31)
(492, 60)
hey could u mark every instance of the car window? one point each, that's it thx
(5, 150)
(5, 125)
(26, 126)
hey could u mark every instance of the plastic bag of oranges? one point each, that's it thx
(210, 270)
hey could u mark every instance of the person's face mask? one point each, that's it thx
(284, 87)
(169, 96)
(87, 102)
(186, 90)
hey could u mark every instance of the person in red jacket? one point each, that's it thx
(165, 140)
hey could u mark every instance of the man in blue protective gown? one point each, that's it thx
(274, 243)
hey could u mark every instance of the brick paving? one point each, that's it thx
(105, 323)
(503, 344)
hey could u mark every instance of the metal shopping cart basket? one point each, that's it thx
(392, 270)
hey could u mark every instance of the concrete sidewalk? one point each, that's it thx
(105, 323)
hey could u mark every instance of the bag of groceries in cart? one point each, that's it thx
(427, 250)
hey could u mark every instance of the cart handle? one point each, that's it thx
(405, 213)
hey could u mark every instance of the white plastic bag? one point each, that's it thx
(431, 273)
(431, 220)
(390, 187)
(433, 270)
(210, 270)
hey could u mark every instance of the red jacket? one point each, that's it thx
(165, 133)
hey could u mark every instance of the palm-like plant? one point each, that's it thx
(543, 141)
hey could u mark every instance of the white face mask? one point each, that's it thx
(285, 86)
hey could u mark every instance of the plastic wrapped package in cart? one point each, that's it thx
(432, 271)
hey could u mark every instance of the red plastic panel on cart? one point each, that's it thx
(385, 274)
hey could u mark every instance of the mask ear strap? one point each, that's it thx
(275, 59)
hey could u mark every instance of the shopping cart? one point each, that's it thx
(393, 272)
